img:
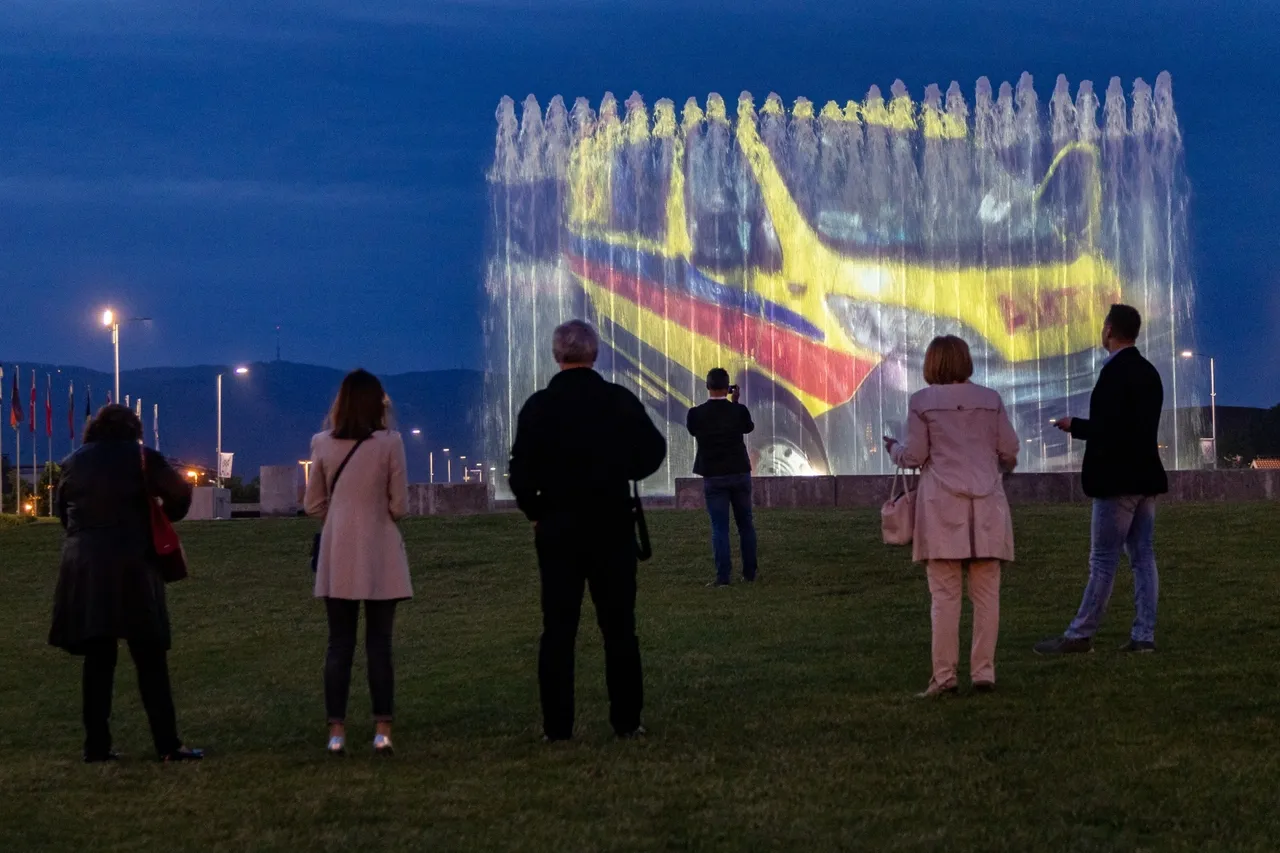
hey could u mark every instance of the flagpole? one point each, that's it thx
(155, 425)
(48, 431)
(1, 444)
(17, 435)
(35, 467)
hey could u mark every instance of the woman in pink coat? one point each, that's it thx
(358, 486)
(959, 435)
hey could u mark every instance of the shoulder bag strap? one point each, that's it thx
(338, 474)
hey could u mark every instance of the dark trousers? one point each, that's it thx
(153, 681)
(344, 618)
(724, 493)
(601, 557)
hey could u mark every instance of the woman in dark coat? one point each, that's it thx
(109, 588)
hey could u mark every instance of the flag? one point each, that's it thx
(155, 424)
(31, 425)
(108, 398)
(71, 413)
(88, 404)
(15, 403)
(48, 405)
(224, 465)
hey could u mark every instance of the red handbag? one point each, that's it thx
(171, 560)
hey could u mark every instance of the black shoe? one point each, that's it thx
(101, 757)
(635, 734)
(984, 687)
(182, 753)
(1064, 646)
(1139, 646)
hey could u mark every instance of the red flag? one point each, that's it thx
(48, 405)
(31, 425)
(15, 403)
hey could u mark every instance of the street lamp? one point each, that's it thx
(448, 466)
(239, 371)
(466, 473)
(112, 322)
(1213, 401)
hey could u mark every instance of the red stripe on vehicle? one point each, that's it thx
(813, 368)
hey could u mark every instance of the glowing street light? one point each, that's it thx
(1213, 400)
(415, 431)
(239, 371)
(112, 322)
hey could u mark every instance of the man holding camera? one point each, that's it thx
(718, 426)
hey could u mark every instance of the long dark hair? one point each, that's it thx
(361, 407)
(114, 423)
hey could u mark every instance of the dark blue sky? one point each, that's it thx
(311, 162)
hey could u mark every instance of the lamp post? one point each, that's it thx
(1213, 401)
(240, 371)
(112, 322)
(448, 466)
(466, 472)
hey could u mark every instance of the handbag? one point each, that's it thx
(171, 559)
(315, 543)
(898, 513)
(643, 548)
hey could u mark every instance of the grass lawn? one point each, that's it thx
(782, 715)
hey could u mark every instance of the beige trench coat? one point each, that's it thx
(362, 554)
(960, 435)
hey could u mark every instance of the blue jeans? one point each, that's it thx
(731, 491)
(1122, 524)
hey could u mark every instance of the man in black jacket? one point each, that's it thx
(718, 426)
(1123, 474)
(579, 443)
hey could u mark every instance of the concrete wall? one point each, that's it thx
(871, 490)
(278, 490)
(208, 503)
(449, 498)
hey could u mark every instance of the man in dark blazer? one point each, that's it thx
(1123, 474)
(579, 443)
(718, 427)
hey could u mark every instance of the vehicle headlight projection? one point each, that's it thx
(814, 253)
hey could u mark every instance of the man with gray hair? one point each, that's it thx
(579, 443)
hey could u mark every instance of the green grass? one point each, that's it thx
(782, 715)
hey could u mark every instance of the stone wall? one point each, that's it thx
(449, 498)
(871, 490)
(278, 490)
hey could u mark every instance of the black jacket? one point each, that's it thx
(1122, 456)
(108, 585)
(579, 443)
(718, 427)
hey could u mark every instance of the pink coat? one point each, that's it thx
(961, 437)
(362, 554)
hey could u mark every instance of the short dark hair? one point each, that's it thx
(1125, 322)
(114, 423)
(947, 361)
(360, 408)
(718, 379)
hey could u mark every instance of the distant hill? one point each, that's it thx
(268, 416)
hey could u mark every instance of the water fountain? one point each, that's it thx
(815, 252)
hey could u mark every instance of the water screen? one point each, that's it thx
(814, 253)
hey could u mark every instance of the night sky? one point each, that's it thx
(320, 165)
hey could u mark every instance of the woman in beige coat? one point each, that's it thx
(959, 434)
(361, 555)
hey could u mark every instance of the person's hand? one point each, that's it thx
(1063, 424)
(734, 393)
(889, 442)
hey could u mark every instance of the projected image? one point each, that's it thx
(814, 254)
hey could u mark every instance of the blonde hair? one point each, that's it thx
(947, 361)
